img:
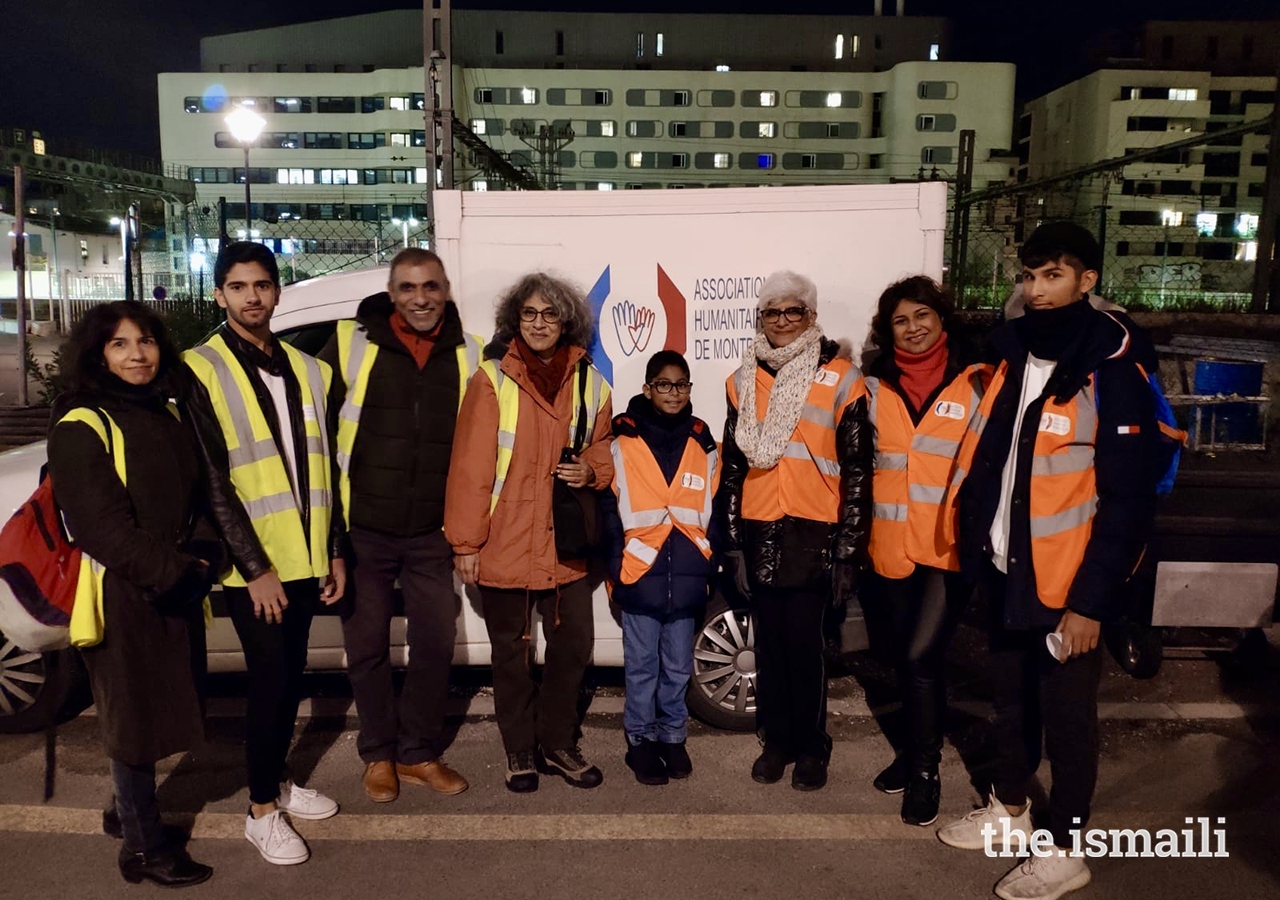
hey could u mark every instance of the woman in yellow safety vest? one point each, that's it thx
(797, 489)
(922, 394)
(127, 478)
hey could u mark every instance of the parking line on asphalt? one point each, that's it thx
(568, 827)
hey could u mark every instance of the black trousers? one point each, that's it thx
(1036, 696)
(275, 656)
(528, 716)
(412, 731)
(922, 611)
(791, 681)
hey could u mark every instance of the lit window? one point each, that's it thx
(604, 186)
(764, 161)
(400, 103)
(658, 45)
(478, 126)
(853, 46)
(1247, 252)
(839, 46)
(639, 44)
(420, 175)
(768, 98)
(1246, 224)
(720, 160)
(833, 99)
(479, 185)
(1183, 93)
(1135, 93)
(295, 176)
(606, 129)
(528, 96)
(933, 52)
(399, 139)
(282, 176)
(635, 159)
(1206, 224)
(768, 129)
(722, 68)
(1171, 218)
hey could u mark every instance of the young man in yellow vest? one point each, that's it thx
(666, 469)
(260, 406)
(403, 364)
(1056, 495)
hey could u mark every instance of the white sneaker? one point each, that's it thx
(276, 840)
(1044, 878)
(966, 833)
(304, 803)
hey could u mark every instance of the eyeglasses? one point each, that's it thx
(549, 315)
(666, 387)
(793, 314)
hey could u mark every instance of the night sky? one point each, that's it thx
(85, 70)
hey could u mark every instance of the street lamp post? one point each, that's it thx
(404, 228)
(197, 263)
(123, 222)
(246, 125)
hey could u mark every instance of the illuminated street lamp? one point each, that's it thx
(246, 125)
(404, 227)
(197, 263)
(124, 225)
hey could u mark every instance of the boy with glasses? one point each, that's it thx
(657, 518)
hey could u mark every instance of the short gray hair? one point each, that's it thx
(788, 285)
(576, 321)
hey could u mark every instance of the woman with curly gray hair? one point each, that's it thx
(535, 412)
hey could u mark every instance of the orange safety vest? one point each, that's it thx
(1064, 491)
(805, 484)
(650, 507)
(913, 465)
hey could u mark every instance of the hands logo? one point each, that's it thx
(633, 325)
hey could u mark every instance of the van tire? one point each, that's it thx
(722, 691)
(1137, 647)
(61, 677)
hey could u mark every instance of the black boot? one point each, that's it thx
(770, 765)
(810, 773)
(167, 868)
(677, 759)
(893, 779)
(645, 759)
(921, 798)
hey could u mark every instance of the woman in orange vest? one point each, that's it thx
(797, 492)
(657, 520)
(922, 395)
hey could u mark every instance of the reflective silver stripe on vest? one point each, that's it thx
(799, 450)
(927, 493)
(936, 446)
(471, 352)
(506, 440)
(1074, 458)
(818, 416)
(978, 424)
(249, 450)
(845, 386)
(1047, 526)
(873, 400)
(892, 462)
(641, 551)
(891, 512)
(1086, 416)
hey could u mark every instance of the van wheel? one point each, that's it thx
(1138, 648)
(34, 687)
(722, 691)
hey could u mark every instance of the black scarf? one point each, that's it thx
(1050, 333)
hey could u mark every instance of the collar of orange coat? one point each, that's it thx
(513, 367)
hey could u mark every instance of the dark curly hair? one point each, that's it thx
(576, 321)
(84, 348)
(918, 289)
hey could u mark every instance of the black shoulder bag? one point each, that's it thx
(575, 512)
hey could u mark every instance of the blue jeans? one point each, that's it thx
(658, 662)
(135, 798)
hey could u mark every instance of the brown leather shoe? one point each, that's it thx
(435, 775)
(380, 781)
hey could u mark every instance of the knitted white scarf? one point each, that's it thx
(763, 442)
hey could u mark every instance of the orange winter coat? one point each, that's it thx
(516, 542)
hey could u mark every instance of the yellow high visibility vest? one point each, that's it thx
(257, 468)
(356, 355)
(508, 393)
(650, 508)
(88, 620)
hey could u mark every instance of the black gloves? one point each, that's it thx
(844, 585)
(735, 565)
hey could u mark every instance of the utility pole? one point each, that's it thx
(1266, 296)
(20, 269)
(960, 219)
(437, 65)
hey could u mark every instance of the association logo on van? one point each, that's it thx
(632, 323)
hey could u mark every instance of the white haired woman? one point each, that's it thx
(516, 433)
(797, 492)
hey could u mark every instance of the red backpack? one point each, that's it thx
(39, 572)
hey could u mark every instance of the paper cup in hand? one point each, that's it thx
(1053, 641)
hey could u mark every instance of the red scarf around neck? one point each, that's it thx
(546, 375)
(922, 373)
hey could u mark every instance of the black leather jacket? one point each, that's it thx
(793, 552)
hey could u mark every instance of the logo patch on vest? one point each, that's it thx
(308, 413)
(1055, 424)
(692, 481)
(826, 378)
(949, 409)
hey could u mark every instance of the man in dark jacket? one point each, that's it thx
(404, 363)
(1054, 513)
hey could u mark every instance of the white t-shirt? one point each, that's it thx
(280, 397)
(1035, 377)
